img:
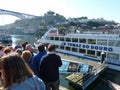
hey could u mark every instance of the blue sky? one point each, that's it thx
(107, 9)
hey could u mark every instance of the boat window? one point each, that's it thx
(82, 40)
(57, 38)
(113, 56)
(91, 41)
(68, 48)
(91, 52)
(82, 51)
(74, 39)
(74, 49)
(56, 46)
(51, 38)
(61, 38)
(98, 53)
(47, 37)
(101, 42)
(114, 43)
(68, 39)
(62, 47)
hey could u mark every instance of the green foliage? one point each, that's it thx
(62, 30)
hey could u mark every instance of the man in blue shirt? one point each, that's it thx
(37, 57)
(18, 46)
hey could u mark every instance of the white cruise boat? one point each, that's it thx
(86, 46)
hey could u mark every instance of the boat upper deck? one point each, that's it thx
(101, 36)
(85, 34)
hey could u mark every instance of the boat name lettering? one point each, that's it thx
(95, 47)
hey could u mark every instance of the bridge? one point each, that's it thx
(17, 14)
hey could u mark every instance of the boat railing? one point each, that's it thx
(112, 36)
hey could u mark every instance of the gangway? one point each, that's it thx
(81, 75)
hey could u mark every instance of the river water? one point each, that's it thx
(99, 84)
(23, 38)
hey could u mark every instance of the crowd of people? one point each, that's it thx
(21, 69)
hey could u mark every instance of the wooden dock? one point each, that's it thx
(84, 80)
(76, 78)
(95, 65)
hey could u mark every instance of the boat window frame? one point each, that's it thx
(62, 47)
(68, 39)
(56, 38)
(47, 37)
(91, 53)
(115, 43)
(62, 39)
(74, 39)
(82, 50)
(103, 42)
(83, 40)
(57, 46)
(113, 57)
(68, 49)
(52, 37)
(91, 41)
(98, 53)
(74, 49)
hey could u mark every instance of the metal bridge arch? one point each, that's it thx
(17, 14)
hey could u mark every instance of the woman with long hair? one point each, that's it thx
(27, 57)
(17, 75)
